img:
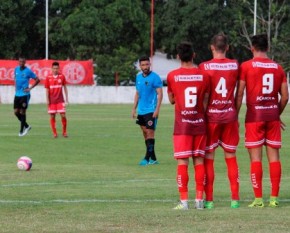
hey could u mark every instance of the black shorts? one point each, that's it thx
(147, 120)
(21, 102)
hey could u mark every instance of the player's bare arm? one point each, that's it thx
(159, 101)
(47, 95)
(36, 82)
(284, 97)
(205, 101)
(171, 98)
(66, 94)
(136, 98)
(240, 94)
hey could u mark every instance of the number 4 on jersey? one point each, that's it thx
(221, 87)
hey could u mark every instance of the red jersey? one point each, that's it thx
(263, 78)
(54, 84)
(223, 74)
(188, 85)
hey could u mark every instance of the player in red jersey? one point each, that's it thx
(222, 119)
(266, 97)
(55, 84)
(188, 89)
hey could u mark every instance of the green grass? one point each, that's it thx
(90, 182)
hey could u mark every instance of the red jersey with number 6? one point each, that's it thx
(223, 74)
(263, 78)
(55, 83)
(188, 86)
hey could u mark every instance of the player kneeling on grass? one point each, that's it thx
(55, 84)
(188, 89)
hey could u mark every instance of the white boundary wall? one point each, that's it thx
(81, 95)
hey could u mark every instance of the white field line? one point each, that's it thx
(108, 182)
(77, 201)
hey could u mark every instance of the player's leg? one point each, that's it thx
(64, 124)
(52, 112)
(53, 124)
(211, 144)
(182, 183)
(182, 146)
(151, 123)
(254, 141)
(60, 108)
(273, 144)
(24, 127)
(141, 122)
(229, 141)
(198, 147)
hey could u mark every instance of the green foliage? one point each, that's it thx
(102, 29)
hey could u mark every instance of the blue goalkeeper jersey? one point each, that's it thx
(22, 78)
(146, 87)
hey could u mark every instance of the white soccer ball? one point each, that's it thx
(24, 163)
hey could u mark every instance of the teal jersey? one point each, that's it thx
(146, 87)
(22, 78)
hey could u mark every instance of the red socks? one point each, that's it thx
(209, 179)
(256, 178)
(64, 122)
(199, 181)
(182, 181)
(233, 175)
(275, 177)
(52, 125)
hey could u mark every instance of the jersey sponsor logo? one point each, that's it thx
(188, 78)
(265, 65)
(192, 121)
(266, 107)
(55, 86)
(218, 102)
(74, 72)
(262, 98)
(213, 110)
(187, 112)
(221, 66)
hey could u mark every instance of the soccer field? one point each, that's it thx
(91, 181)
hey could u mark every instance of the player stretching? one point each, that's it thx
(54, 83)
(188, 89)
(22, 93)
(148, 98)
(222, 126)
(266, 98)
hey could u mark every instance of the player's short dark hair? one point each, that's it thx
(260, 42)
(144, 58)
(220, 42)
(185, 51)
(55, 63)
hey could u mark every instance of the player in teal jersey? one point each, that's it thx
(22, 75)
(147, 102)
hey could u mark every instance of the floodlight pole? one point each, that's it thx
(255, 17)
(152, 31)
(46, 29)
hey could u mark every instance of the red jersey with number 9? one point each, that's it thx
(263, 78)
(188, 86)
(223, 74)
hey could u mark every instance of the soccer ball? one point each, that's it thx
(24, 163)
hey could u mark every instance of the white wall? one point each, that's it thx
(81, 95)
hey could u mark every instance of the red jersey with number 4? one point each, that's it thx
(188, 86)
(223, 74)
(54, 84)
(263, 78)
